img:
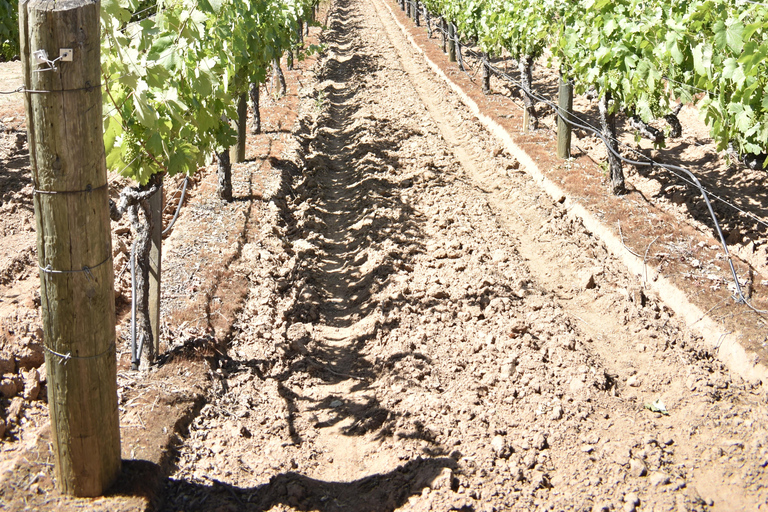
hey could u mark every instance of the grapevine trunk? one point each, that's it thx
(608, 124)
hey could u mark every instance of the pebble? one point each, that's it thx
(437, 291)
(8, 387)
(587, 280)
(658, 478)
(539, 441)
(633, 381)
(556, 413)
(444, 480)
(498, 444)
(637, 468)
(31, 384)
(499, 256)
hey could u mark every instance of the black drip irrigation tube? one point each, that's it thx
(566, 117)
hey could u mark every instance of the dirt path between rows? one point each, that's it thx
(406, 321)
(439, 335)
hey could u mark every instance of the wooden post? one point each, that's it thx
(69, 172)
(565, 105)
(155, 265)
(237, 152)
(451, 42)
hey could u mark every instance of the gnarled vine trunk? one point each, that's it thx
(428, 21)
(256, 122)
(526, 77)
(134, 202)
(224, 175)
(278, 79)
(676, 129)
(444, 34)
(608, 125)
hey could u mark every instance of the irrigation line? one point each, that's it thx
(134, 356)
(178, 208)
(518, 84)
(595, 129)
(650, 163)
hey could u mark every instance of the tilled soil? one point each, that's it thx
(425, 329)
(402, 320)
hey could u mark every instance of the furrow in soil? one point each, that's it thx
(426, 330)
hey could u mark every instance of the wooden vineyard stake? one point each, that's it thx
(60, 54)
(565, 105)
(155, 265)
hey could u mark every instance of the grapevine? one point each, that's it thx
(642, 56)
(9, 29)
(173, 72)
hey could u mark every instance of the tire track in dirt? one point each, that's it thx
(414, 338)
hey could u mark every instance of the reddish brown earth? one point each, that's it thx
(392, 315)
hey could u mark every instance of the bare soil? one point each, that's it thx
(392, 315)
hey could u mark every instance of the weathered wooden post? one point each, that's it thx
(451, 42)
(564, 106)
(155, 265)
(61, 62)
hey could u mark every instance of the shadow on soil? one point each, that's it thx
(14, 176)
(374, 493)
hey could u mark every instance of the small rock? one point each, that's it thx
(30, 355)
(630, 507)
(637, 468)
(633, 381)
(640, 347)
(576, 385)
(8, 386)
(500, 447)
(587, 280)
(444, 480)
(556, 413)
(437, 291)
(591, 438)
(530, 460)
(658, 478)
(508, 369)
(539, 441)
(336, 403)
(631, 498)
(31, 384)
(298, 336)
(539, 480)
(7, 364)
(587, 448)
(499, 256)
(14, 410)
(601, 507)
(516, 473)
